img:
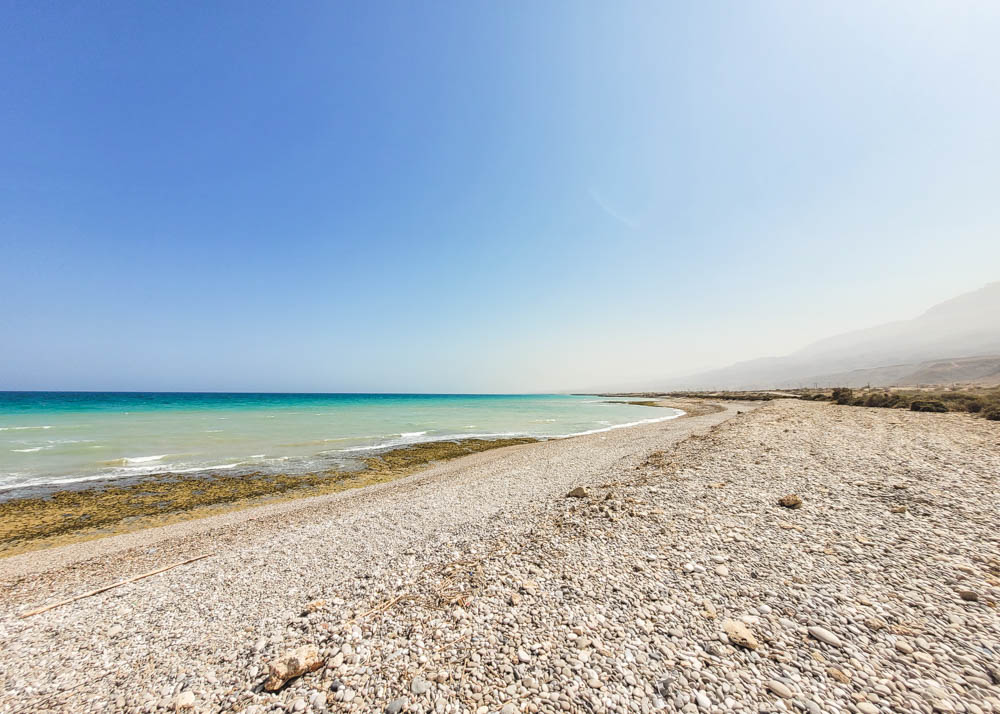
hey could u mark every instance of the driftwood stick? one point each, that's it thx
(67, 601)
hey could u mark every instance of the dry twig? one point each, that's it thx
(67, 601)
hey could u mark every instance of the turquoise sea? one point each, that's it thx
(55, 438)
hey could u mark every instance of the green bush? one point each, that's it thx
(928, 406)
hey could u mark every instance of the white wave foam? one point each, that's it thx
(193, 469)
(126, 461)
(144, 459)
(437, 437)
(22, 428)
(412, 434)
(135, 470)
(28, 451)
(21, 484)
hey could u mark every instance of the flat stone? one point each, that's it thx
(778, 688)
(838, 675)
(824, 635)
(318, 700)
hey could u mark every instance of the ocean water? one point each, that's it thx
(55, 438)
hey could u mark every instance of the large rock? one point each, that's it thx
(578, 492)
(790, 501)
(739, 634)
(184, 702)
(293, 663)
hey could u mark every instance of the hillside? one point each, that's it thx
(936, 347)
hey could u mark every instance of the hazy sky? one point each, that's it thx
(495, 196)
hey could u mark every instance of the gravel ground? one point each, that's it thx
(673, 582)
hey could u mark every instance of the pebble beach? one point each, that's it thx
(779, 556)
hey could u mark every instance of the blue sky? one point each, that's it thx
(480, 196)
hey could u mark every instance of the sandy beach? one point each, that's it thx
(674, 581)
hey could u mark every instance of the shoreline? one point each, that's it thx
(104, 508)
(102, 440)
(107, 508)
(128, 549)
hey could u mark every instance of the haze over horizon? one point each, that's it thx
(482, 197)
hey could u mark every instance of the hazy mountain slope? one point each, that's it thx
(969, 370)
(965, 326)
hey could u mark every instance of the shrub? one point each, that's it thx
(928, 406)
(993, 413)
(843, 395)
(881, 399)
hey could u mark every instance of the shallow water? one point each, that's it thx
(53, 438)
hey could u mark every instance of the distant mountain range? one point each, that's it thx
(955, 341)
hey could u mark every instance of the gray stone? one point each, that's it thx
(396, 705)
